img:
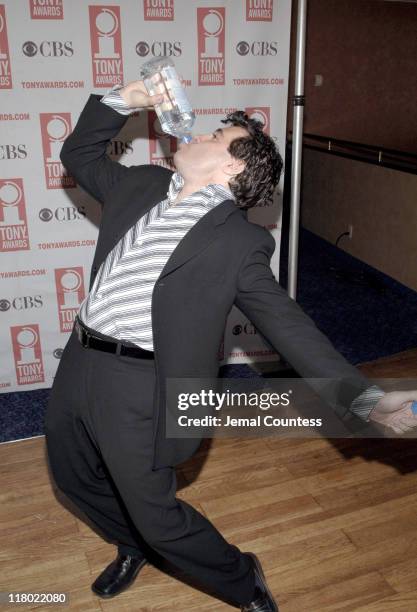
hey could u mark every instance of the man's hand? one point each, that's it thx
(136, 95)
(394, 410)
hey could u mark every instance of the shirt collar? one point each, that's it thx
(217, 193)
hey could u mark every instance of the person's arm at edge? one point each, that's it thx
(294, 334)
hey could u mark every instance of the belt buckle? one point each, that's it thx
(83, 336)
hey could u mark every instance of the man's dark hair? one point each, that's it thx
(263, 162)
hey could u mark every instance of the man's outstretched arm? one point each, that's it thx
(295, 335)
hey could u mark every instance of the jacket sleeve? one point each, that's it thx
(84, 151)
(292, 333)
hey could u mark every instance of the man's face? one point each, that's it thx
(207, 153)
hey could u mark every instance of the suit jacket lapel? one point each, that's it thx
(199, 236)
(196, 239)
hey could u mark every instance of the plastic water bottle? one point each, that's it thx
(174, 113)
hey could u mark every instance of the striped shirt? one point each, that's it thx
(120, 300)
(119, 303)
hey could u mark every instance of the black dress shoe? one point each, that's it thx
(117, 576)
(263, 600)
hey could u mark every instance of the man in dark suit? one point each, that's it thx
(175, 251)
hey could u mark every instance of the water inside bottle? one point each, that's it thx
(174, 113)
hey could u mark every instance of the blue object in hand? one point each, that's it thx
(414, 407)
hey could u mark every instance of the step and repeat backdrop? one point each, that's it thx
(53, 54)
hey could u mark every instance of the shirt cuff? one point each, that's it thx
(113, 99)
(366, 401)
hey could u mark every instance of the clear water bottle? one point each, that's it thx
(174, 113)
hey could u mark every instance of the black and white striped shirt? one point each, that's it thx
(119, 303)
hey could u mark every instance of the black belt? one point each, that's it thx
(88, 340)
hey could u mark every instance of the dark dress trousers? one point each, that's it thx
(105, 421)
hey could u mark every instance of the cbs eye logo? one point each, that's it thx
(142, 49)
(4, 305)
(242, 48)
(30, 48)
(45, 214)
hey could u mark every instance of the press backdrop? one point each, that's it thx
(53, 54)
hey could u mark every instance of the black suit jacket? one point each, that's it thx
(223, 260)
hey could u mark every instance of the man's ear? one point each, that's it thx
(234, 166)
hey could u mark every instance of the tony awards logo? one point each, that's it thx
(27, 354)
(162, 146)
(70, 293)
(55, 128)
(262, 114)
(106, 45)
(13, 222)
(5, 70)
(259, 10)
(158, 10)
(211, 46)
(46, 9)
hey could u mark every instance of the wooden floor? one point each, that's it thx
(334, 522)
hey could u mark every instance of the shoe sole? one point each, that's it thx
(126, 586)
(260, 572)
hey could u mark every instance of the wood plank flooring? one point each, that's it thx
(334, 522)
